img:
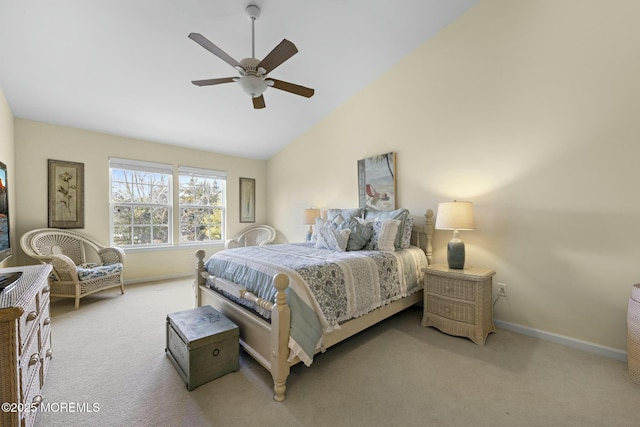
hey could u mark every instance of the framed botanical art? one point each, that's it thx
(377, 182)
(247, 200)
(66, 194)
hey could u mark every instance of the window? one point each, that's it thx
(141, 203)
(202, 205)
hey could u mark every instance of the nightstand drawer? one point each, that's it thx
(458, 311)
(453, 288)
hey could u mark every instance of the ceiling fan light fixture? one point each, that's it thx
(252, 85)
(253, 72)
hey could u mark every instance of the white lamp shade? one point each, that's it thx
(310, 215)
(455, 216)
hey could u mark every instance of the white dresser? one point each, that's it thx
(25, 344)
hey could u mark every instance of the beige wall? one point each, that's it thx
(8, 158)
(35, 142)
(528, 109)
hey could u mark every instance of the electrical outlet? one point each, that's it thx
(502, 290)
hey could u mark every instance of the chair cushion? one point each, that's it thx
(99, 271)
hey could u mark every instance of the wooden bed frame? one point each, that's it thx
(268, 342)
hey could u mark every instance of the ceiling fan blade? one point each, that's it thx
(258, 102)
(205, 43)
(278, 55)
(293, 88)
(210, 82)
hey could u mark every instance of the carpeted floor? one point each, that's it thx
(109, 369)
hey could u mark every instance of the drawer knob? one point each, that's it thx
(447, 288)
(216, 352)
(49, 353)
(46, 321)
(32, 316)
(35, 357)
(447, 309)
(37, 400)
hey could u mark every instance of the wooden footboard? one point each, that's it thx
(268, 343)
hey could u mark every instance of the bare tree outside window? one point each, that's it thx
(141, 207)
(142, 204)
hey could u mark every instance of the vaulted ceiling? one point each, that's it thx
(124, 67)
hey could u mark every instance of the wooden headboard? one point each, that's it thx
(422, 235)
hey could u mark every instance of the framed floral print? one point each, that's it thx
(247, 200)
(66, 194)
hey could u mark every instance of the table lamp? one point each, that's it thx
(455, 216)
(309, 218)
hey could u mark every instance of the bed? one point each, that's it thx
(292, 301)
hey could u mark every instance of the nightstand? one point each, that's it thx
(458, 302)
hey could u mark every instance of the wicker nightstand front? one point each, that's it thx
(458, 302)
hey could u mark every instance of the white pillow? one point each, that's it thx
(384, 235)
(328, 237)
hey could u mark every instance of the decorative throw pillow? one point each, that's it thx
(331, 238)
(399, 214)
(406, 233)
(337, 221)
(337, 216)
(345, 213)
(384, 235)
(360, 233)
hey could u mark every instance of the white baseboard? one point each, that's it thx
(564, 340)
(158, 278)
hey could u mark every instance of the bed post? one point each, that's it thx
(199, 279)
(429, 232)
(280, 322)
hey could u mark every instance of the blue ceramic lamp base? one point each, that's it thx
(455, 254)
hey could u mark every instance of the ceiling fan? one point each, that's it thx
(253, 72)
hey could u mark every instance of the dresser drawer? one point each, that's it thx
(43, 296)
(454, 310)
(33, 399)
(28, 323)
(29, 365)
(46, 353)
(45, 324)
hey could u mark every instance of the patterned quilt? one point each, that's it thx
(325, 287)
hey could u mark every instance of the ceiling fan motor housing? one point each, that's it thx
(253, 79)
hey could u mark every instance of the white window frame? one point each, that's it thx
(221, 176)
(142, 166)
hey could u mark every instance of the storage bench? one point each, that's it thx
(202, 344)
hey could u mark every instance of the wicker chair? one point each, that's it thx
(73, 276)
(256, 235)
